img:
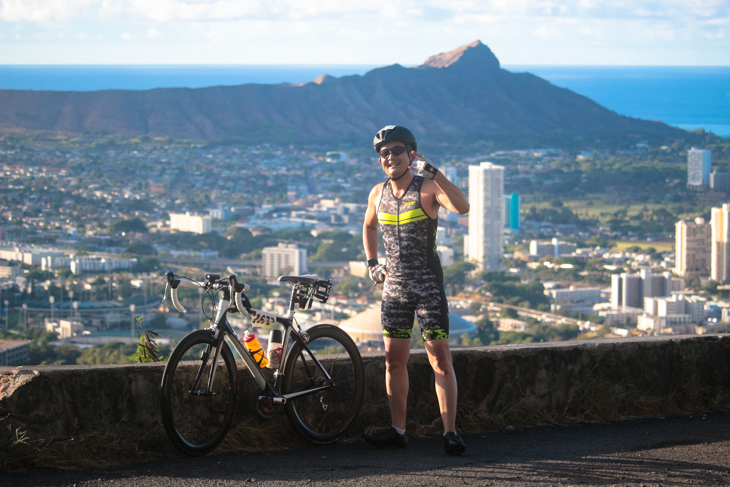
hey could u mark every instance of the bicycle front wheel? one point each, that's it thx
(327, 407)
(197, 417)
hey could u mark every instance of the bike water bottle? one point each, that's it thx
(275, 349)
(257, 351)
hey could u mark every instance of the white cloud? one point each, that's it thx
(547, 32)
(356, 31)
(43, 10)
(216, 10)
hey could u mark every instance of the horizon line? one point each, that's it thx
(354, 65)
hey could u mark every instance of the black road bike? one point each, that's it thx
(320, 380)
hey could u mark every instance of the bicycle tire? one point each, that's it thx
(197, 424)
(323, 417)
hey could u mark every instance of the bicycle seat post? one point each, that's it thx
(293, 299)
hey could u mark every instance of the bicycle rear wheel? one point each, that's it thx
(323, 417)
(197, 419)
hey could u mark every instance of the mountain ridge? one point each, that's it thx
(462, 94)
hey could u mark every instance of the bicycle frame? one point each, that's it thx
(222, 329)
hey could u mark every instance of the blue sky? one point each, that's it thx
(374, 32)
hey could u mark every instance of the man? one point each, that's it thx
(405, 207)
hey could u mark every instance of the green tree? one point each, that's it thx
(497, 276)
(567, 331)
(127, 226)
(40, 350)
(455, 274)
(516, 293)
(485, 331)
(140, 248)
(108, 353)
(508, 313)
(147, 264)
(512, 337)
(67, 354)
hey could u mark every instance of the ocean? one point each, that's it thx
(685, 97)
(688, 97)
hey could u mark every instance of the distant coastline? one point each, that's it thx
(688, 97)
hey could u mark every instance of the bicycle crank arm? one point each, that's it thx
(275, 400)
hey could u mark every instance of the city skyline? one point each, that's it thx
(377, 33)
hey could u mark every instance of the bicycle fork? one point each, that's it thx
(205, 355)
(223, 305)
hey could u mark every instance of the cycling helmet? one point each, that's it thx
(397, 133)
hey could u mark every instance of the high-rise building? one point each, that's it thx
(720, 248)
(626, 291)
(630, 290)
(554, 248)
(484, 243)
(699, 164)
(693, 240)
(220, 213)
(720, 181)
(285, 259)
(512, 212)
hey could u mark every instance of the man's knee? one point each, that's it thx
(439, 356)
(397, 352)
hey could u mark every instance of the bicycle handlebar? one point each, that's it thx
(237, 289)
(173, 282)
(305, 289)
(211, 282)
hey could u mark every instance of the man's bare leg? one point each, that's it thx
(446, 390)
(397, 351)
(439, 355)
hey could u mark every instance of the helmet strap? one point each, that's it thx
(399, 177)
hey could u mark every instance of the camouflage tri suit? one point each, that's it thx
(415, 279)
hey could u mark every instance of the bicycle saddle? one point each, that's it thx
(305, 280)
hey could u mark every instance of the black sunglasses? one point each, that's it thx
(396, 151)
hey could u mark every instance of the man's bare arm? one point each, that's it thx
(450, 196)
(445, 193)
(370, 225)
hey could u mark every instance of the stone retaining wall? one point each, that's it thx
(518, 385)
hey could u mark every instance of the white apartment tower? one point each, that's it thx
(190, 223)
(720, 249)
(286, 259)
(692, 247)
(484, 245)
(699, 164)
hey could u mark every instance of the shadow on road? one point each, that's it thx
(673, 451)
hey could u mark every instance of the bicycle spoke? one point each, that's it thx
(196, 417)
(324, 415)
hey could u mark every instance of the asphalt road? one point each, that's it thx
(686, 450)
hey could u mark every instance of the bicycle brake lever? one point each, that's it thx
(239, 304)
(169, 277)
(172, 285)
(236, 289)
